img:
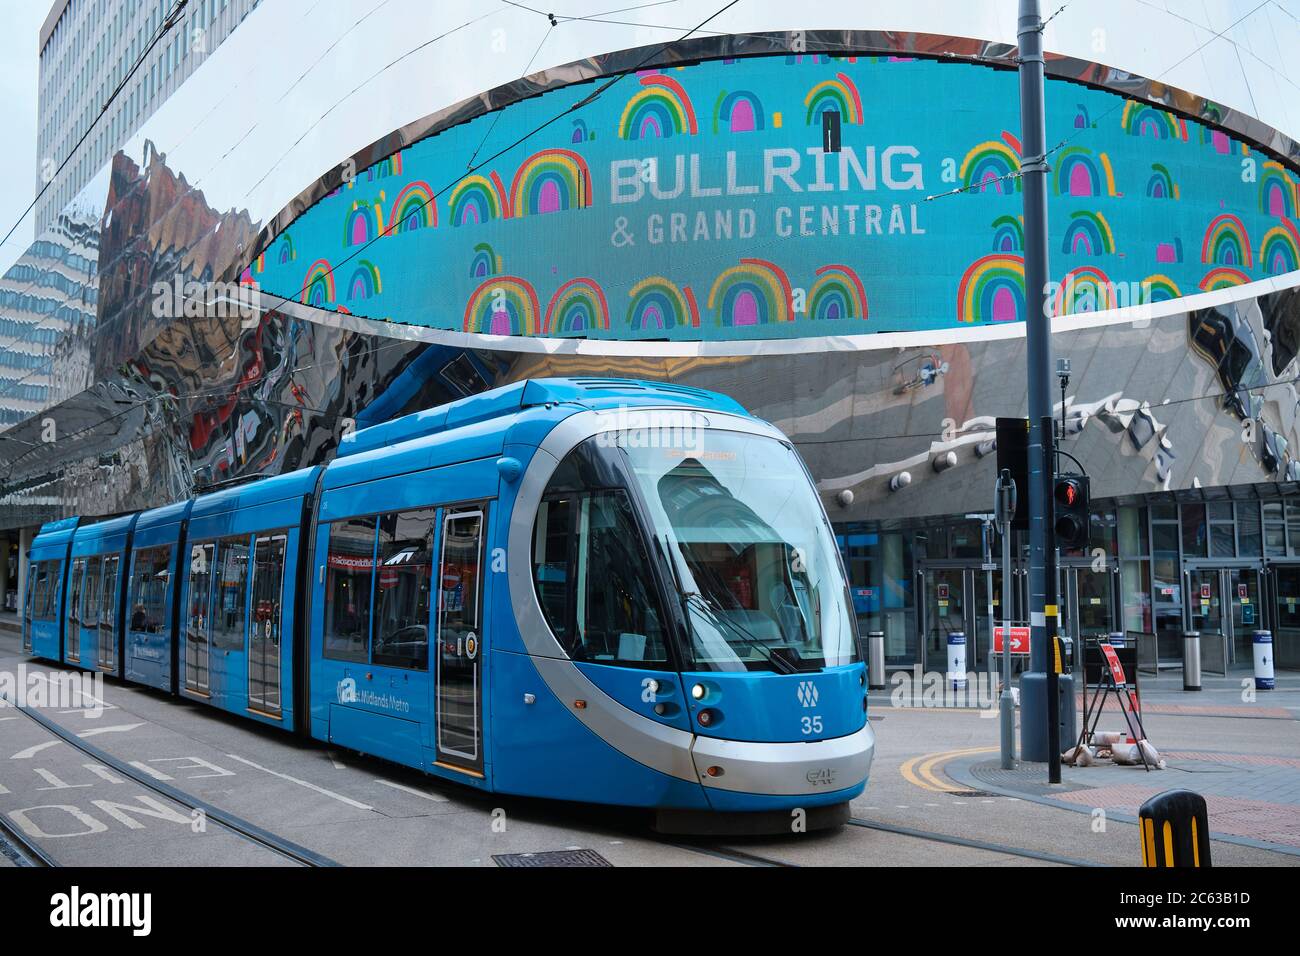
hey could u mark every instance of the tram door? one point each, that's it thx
(459, 734)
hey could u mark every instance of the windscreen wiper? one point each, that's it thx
(779, 662)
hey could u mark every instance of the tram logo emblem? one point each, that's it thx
(807, 693)
(824, 777)
(347, 691)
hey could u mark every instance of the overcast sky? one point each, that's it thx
(20, 26)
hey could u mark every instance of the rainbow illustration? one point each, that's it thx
(1280, 250)
(1086, 289)
(550, 181)
(285, 251)
(365, 222)
(1226, 242)
(756, 292)
(580, 132)
(318, 287)
(837, 294)
(1161, 185)
(503, 305)
(1008, 234)
(1079, 174)
(659, 305)
(1223, 277)
(388, 166)
(1279, 195)
(839, 95)
(414, 208)
(364, 283)
(486, 262)
(658, 110)
(992, 290)
(1159, 288)
(1088, 234)
(1143, 119)
(578, 306)
(477, 199)
(738, 112)
(991, 166)
(1082, 120)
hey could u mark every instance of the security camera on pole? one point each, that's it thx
(1040, 730)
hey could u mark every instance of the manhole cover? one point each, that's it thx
(552, 858)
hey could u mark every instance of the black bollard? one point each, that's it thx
(1175, 830)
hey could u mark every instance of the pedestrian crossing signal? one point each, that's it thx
(1071, 506)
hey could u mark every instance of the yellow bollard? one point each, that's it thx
(1175, 830)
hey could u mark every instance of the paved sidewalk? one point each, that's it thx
(1234, 745)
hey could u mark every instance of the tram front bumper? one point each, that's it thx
(785, 769)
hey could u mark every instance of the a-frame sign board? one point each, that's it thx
(1114, 681)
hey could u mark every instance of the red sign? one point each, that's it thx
(1019, 640)
(1205, 592)
(1117, 673)
(1241, 591)
(943, 592)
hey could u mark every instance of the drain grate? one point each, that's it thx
(972, 793)
(552, 858)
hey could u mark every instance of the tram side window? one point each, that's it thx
(74, 592)
(609, 610)
(229, 601)
(350, 564)
(551, 549)
(41, 580)
(402, 594)
(150, 576)
(90, 612)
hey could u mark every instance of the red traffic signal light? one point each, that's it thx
(1070, 496)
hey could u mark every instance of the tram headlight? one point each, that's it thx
(698, 692)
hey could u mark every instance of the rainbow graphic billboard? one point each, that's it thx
(698, 203)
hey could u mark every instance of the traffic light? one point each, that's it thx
(1071, 506)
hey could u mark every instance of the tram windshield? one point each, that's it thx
(752, 552)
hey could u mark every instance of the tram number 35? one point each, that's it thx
(811, 724)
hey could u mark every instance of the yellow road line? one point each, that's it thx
(920, 771)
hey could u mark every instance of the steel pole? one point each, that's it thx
(1034, 732)
(1006, 704)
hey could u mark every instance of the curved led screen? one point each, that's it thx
(784, 196)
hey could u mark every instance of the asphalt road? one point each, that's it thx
(363, 811)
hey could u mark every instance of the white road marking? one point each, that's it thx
(334, 761)
(115, 729)
(303, 783)
(33, 750)
(436, 798)
(151, 771)
(3, 790)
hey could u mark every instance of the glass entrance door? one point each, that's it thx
(1285, 601)
(1090, 604)
(1227, 601)
(946, 608)
(1243, 593)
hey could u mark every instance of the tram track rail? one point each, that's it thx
(969, 843)
(242, 828)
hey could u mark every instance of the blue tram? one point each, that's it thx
(584, 589)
